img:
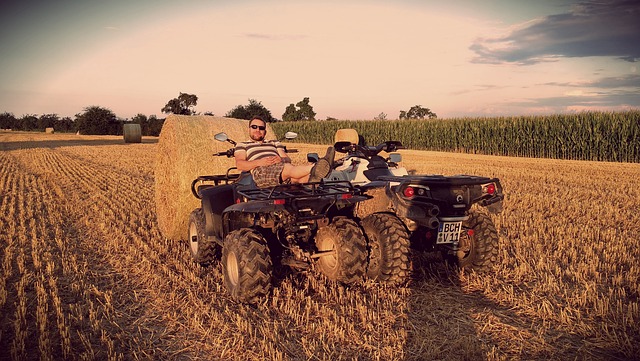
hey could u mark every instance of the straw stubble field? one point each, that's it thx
(85, 273)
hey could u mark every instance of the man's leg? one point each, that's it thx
(304, 179)
(301, 172)
(296, 171)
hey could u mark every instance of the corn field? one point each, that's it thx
(86, 275)
(598, 136)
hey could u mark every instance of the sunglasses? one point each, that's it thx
(261, 127)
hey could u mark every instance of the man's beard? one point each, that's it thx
(258, 138)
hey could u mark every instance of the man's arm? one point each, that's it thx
(246, 165)
(284, 156)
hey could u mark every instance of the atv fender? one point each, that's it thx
(214, 202)
(265, 206)
(372, 185)
(249, 214)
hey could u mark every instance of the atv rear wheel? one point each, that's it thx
(202, 250)
(478, 244)
(389, 258)
(344, 238)
(246, 265)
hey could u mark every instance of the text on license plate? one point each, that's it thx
(449, 232)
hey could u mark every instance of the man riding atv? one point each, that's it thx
(257, 230)
(270, 165)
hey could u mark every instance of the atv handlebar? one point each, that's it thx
(229, 153)
(368, 151)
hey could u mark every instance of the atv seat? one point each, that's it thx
(348, 135)
(246, 180)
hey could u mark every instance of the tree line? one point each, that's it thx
(299, 111)
(96, 120)
(184, 104)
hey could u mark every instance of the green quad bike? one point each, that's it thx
(254, 230)
(417, 212)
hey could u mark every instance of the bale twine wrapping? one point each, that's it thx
(132, 133)
(48, 130)
(185, 151)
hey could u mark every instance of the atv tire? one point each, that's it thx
(479, 251)
(246, 265)
(202, 250)
(389, 258)
(348, 262)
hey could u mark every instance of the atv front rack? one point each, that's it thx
(343, 189)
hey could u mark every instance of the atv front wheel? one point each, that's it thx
(202, 251)
(389, 259)
(246, 265)
(478, 247)
(346, 249)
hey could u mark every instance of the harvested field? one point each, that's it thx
(85, 273)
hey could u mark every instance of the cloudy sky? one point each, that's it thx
(354, 59)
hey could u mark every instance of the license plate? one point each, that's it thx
(449, 232)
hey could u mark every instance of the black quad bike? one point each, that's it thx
(419, 212)
(254, 229)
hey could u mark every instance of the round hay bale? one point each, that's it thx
(48, 130)
(379, 203)
(132, 133)
(185, 151)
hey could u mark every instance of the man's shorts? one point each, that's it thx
(268, 176)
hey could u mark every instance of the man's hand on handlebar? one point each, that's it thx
(227, 153)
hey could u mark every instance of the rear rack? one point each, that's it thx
(436, 179)
(299, 191)
(216, 179)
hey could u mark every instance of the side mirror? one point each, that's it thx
(395, 157)
(290, 135)
(312, 157)
(221, 137)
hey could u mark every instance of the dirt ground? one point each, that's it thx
(85, 273)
